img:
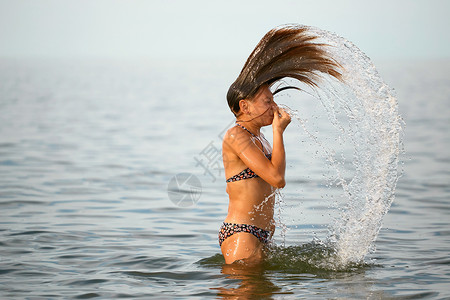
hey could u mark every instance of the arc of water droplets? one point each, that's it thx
(374, 131)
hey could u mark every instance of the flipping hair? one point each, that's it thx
(285, 51)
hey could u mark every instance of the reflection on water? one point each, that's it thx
(291, 268)
(252, 282)
(283, 275)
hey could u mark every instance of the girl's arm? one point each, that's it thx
(271, 171)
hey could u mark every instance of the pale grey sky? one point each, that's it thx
(214, 29)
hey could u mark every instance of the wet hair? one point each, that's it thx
(285, 51)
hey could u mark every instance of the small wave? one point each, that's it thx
(316, 257)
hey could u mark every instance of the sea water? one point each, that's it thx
(88, 148)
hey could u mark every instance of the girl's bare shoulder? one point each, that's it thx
(235, 136)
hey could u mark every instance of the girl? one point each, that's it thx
(253, 169)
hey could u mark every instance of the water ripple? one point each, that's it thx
(84, 210)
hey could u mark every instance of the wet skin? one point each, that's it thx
(251, 201)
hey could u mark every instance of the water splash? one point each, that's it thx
(364, 112)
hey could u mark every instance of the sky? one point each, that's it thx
(161, 29)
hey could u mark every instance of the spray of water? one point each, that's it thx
(364, 111)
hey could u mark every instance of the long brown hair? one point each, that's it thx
(285, 51)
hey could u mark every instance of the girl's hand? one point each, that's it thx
(281, 119)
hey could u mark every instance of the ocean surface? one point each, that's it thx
(90, 152)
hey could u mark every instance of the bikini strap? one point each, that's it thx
(262, 145)
(237, 124)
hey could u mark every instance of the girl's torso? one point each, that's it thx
(251, 200)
